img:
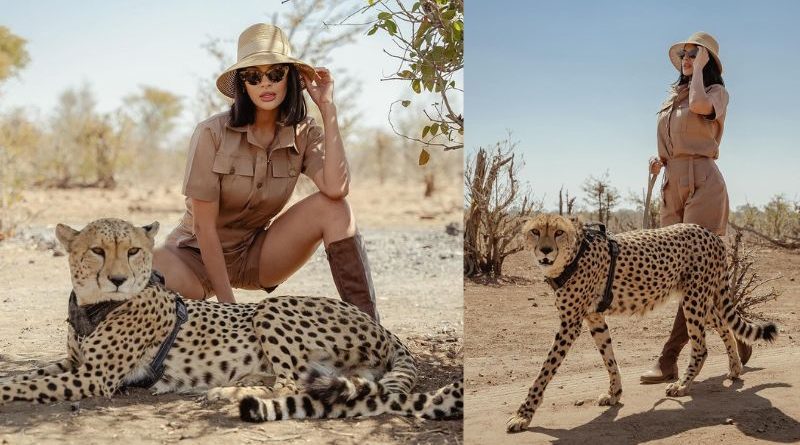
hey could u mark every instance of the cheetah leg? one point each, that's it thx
(237, 393)
(602, 338)
(570, 330)
(695, 324)
(75, 385)
(52, 369)
(734, 363)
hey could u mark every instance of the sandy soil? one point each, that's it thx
(417, 275)
(510, 329)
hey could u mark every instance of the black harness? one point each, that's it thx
(590, 233)
(84, 320)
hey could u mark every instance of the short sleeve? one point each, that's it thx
(718, 96)
(314, 153)
(199, 182)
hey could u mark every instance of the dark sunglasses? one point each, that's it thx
(683, 53)
(274, 74)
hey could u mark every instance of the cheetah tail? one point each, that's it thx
(744, 329)
(442, 404)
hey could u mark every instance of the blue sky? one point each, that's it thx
(579, 83)
(115, 46)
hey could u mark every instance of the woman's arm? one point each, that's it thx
(699, 103)
(205, 228)
(333, 179)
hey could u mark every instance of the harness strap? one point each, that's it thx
(591, 231)
(608, 297)
(157, 367)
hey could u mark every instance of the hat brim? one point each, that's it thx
(226, 82)
(676, 61)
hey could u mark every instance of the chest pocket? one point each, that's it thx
(695, 124)
(282, 173)
(236, 183)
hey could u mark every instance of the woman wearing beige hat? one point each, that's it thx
(690, 125)
(240, 172)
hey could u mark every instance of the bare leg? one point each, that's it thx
(178, 276)
(295, 235)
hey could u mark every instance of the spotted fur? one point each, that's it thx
(683, 259)
(221, 348)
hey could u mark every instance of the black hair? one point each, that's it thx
(711, 74)
(290, 112)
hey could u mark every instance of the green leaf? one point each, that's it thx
(391, 27)
(434, 129)
(405, 103)
(424, 157)
(372, 31)
(415, 85)
(384, 16)
(425, 130)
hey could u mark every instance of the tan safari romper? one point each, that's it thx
(693, 190)
(251, 182)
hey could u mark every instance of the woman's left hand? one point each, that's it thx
(321, 91)
(701, 59)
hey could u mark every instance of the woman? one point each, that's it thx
(240, 172)
(690, 126)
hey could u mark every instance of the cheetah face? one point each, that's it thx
(109, 259)
(551, 238)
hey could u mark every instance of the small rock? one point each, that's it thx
(480, 375)
(761, 430)
(58, 253)
(560, 386)
(31, 261)
(75, 407)
(729, 421)
(578, 402)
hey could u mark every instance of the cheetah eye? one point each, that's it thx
(559, 232)
(134, 251)
(99, 251)
(535, 232)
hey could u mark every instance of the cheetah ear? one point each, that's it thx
(65, 235)
(576, 222)
(151, 230)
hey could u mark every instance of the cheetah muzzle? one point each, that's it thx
(328, 358)
(682, 259)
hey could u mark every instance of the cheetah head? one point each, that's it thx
(109, 259)
(553, 239)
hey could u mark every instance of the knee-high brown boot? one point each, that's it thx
(666, 368)
(351, 275)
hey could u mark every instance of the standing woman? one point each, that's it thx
(240, 172)
(690, 125)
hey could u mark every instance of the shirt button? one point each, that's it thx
(258, 186)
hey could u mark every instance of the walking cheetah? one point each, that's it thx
(122, 322)
(682, 259)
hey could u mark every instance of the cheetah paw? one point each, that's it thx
(607, 400)
(677, 390)
(234, 393)
(517, 423)
(735, 371)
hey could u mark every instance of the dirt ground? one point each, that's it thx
(510, 330)
(416, 266)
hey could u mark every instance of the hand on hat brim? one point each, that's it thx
(701, 59)
(321, 90)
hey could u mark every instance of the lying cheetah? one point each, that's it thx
(651, 265)
(121, 320)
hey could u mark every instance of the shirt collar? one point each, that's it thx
(284, 138)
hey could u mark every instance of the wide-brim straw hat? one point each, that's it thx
(261, 44)
(703, 39)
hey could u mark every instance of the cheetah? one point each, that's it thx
(651, 265)
(328, 358)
